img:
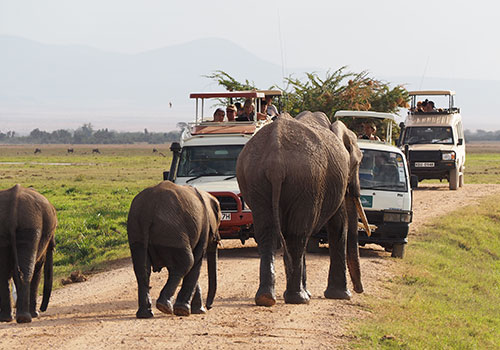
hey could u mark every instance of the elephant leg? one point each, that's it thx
(35, 281)
(337, 231)
(5, 275)
(267, 244)
(295, 292)
(197, 302)
(178, 262)
(142, 270)
(26, 245)
(182, 305)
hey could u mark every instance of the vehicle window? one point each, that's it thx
(209, 160)
(380, 170)
(424, 135)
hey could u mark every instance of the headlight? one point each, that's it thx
(448, 156)
(397, 217)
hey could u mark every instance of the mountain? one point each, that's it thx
(63, 86)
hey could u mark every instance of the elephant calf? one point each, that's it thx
(173, 226)
(27, 225)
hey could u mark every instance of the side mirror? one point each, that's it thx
(175, 147)
(460, 142)
(165, 175)
(413, 181)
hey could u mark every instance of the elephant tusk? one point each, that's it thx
(362, 215)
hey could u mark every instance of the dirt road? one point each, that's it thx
(100, 313)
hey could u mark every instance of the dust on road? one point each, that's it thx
(100, 313)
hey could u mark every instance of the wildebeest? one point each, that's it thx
(155, 150)
(70, 150)
(96, 150)
(38, 150)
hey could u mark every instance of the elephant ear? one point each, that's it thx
(350, 142)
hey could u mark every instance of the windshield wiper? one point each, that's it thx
(197, 177)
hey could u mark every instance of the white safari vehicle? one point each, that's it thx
(386, 193)
(433, 138)
(206, 158)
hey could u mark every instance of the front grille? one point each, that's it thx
(425, 156)
(227, 203)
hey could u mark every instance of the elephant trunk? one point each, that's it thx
(212, 273)
(47, 277)
(352, 243)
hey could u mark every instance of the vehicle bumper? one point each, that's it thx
(440, 170)
(236, 223)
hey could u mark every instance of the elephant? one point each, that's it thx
(298, 176)
(174, 226)
(27, 241)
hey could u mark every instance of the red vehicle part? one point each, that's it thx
(235, 223)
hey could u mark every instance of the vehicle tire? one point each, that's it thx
(454, 175)
(313, 245)
(398, 250)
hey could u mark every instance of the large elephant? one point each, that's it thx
(296, 175)
(174, 226)
(28, 223)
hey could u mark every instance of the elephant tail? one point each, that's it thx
(212, 273)
(13, 226)
(47, 277)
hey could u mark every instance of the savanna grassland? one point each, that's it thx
(91, 192)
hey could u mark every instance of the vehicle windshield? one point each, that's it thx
(217, 160)
(426, 135)
(380, 170)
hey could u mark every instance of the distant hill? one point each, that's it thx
(64, 86)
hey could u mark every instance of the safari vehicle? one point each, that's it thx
(434, 139)
(386, 193)
(206, 158)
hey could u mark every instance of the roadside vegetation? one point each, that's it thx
(446, 291)
(91, 192)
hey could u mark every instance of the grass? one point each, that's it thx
(91, 192)
(447, 293)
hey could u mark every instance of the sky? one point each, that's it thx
(452, 39)
(439, 38)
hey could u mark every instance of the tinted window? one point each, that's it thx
(424, 135)
(381, 170)
(209, 160)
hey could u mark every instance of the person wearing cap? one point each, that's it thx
(231, 113)
(369, 132)
(219, 115)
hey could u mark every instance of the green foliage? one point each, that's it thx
(338, 90)
(446, 296)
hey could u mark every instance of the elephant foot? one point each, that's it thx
(198, 310)
(23, 317)
(300, 297)
(265, 297)
(34, 314)
(164, 306)
(358, 288)
(144, 313)
(6, 317)
(182, 310)
(331, 293)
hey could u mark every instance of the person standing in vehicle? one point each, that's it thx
(269, 108)
(369, 132)
(219, 115)
(231, 113)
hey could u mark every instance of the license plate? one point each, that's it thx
(226, 216)
(424, 164)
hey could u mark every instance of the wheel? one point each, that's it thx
(454, 175)
(398, 250)
(313, 245)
